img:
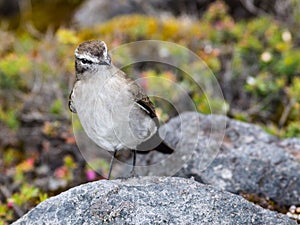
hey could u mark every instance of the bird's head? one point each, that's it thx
(91, 56)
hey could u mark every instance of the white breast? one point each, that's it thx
(104, 107)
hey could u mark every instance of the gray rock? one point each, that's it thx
(248, 160)
(292, 145)
(149, 200)
(93, 12)
(97, 11)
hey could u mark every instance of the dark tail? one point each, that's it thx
(154, 143)
(164, 148)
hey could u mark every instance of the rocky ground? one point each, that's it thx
(149, 200)
(249, 162)
(221, 155)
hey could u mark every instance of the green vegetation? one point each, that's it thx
(263, 55)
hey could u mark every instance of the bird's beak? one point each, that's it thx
(107, 61)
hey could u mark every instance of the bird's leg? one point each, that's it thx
(111, 164)
(132, 173)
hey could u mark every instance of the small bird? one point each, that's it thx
(114, 110)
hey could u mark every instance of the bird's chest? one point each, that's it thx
(101, 106)
(95, 101)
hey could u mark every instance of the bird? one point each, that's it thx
(114, 111)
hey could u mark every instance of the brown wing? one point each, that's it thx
(139, 96)
(142, 99)
(71, 104)
(147, 106)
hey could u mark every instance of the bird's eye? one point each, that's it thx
(85, 61)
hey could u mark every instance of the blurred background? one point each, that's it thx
(251, 46)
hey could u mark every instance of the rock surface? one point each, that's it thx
(248, 161)
(292, 145)
(93, 12)
(149, 200)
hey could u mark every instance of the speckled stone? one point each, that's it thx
(149, 200)
(248, 159)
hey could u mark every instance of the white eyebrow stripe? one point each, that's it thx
(105, 50)
(87, 57)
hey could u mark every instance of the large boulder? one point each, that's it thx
(93, 12)
(149, 200)
(238, 157)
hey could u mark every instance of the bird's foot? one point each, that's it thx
(133, 174)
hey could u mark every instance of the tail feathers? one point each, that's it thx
(164, 148)
(154, 143)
